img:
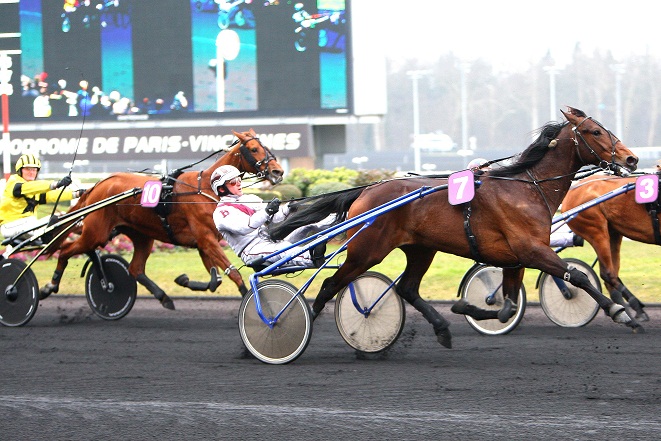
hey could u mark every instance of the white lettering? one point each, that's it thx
(105, 145)
(293, 141)
(196, 142)
(174, 144)
(130, 143)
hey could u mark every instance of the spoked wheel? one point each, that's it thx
(114, 301)
(377, 330)
(482, 287)
(574, 307)
(286, 339)
(18, 302)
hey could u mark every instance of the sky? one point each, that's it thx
(513, 34)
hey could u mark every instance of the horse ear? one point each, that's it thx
(576, 112)
(252, 133)
(239, 135)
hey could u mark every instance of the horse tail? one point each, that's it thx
(315, 210)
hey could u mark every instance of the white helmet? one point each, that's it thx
(476, 163)
(223, 174)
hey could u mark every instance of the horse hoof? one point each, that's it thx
(642, 317)
(167, 303)
(444, 337)
(619, 314)
(47, 290)
(507, 311)
(638, 329)
(216, 280)
(182, 280)
(459, 307)
(314, 315)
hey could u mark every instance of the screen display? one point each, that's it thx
(165, 59)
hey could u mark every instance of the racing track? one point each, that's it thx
(179, 375)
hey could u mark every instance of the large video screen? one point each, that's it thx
(165, 59)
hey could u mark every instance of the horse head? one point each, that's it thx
(597, 145)
(253, 155)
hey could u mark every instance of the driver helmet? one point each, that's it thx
(222, 175)
(476, 163)
(27, 160)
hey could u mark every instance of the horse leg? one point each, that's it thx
(418, 260)
(633, 302)
(83, 244)
(544, 259)
(512, 280)
(54, 285)
(212, 256)
(618, 291)
(142, 246)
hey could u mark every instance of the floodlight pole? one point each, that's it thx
(415, 75)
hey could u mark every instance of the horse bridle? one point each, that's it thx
(252, 162)
(604, 165)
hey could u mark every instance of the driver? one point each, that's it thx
(240, 218)
(24, 192)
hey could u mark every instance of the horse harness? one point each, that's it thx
(164, 207)
(467, 211)
(653, 211)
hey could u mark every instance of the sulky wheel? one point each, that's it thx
(18, 299)
(565, 304)
(288, 336)
(378, 329)
(114, 301)
(482, 287)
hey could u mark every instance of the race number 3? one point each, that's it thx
(647, 188)
(151, 193)
(461, 187)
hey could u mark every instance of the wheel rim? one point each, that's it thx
(380, 329)
(115, 301)
(18, 302)
(289, 336)
(575, 312)
(483, 281)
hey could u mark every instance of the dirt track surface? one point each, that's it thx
(180, 375)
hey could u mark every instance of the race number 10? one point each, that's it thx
(461, 187)
(151, 194)
(647, 189)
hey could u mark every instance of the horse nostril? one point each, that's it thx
(278, 172)
(632, 160)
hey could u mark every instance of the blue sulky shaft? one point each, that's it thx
(364, 219)
(571, 214)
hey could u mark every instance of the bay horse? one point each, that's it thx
(604, 226)
(186, 219)
(507, 224)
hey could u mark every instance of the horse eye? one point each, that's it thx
(596, 132)
(254, 149)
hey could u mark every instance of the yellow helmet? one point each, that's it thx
(28, 160)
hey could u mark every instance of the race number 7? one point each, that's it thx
(151, 194)
(461, 187)
(647, 188)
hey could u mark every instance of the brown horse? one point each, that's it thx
(186, 221)
(604, 226)
(507, 224)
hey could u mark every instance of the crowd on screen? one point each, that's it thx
(60, 99)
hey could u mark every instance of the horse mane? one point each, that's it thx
(534, 153)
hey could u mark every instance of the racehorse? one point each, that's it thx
(185, 218)
(507, 224)
(604, 225)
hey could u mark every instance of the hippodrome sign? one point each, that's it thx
(461, 187)
(151, 194)
(647, 188)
